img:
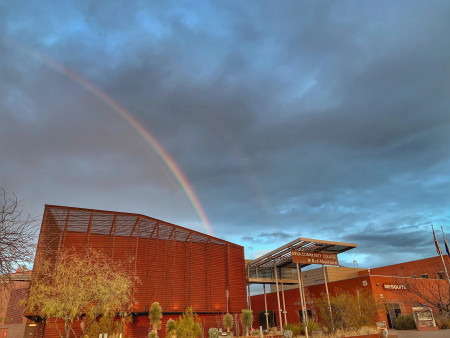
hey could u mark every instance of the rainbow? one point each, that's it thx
(128, 117)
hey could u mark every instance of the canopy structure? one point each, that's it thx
(277, 267)
(282, 257)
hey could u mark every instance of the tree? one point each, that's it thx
(434, 293)
(17, 230)
(155, 315)
(109, 324)
(86, 285)
(188, 325)
(246, 320)
(348, 310)
(228, 322)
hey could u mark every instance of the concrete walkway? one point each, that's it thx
(421, 334)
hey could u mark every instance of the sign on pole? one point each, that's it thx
(308, 257)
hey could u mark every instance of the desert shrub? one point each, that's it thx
(228, 322)
(246, 320)
(188, 325)
(442, 322)
(170, 327)
(348, 310)
(311, 325)
(294, 328)
(155, 315)
(404, 322)
(254, 332)
(213, 332)
(153, 334)
(287, 334)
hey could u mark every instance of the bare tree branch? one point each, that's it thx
(17, 234)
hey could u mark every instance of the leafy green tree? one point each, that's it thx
(188, 325)
(246, 320)
(74, 286)
(155, 315)
(228, 322)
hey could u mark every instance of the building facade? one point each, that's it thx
(13, 291)
(393, 287)
(177, 267)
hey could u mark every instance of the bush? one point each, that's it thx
(170, 326)
(246, 320)
(288, 334)
(442, 322)
(254, 332)
(188, 325)
(294, 328)
(155, 315)
(405, 322)
(153, 334)
(228, 322)
(213, 332)
(311, 325)
(350, 310)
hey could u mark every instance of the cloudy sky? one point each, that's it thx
(319, 119)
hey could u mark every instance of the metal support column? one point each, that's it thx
(284, 303)
(328, 296)
(249, 300)
(278, 298)
(265, 307)
(302, 296)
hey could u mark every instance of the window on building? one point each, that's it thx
(413, 276)
(440, 275)
(424, 275)
(308, 313)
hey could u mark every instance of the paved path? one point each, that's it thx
(421, 334)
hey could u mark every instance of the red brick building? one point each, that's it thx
(13, 290)
(388, 285)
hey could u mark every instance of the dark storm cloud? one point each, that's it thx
(321, 118)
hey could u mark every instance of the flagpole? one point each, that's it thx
(439, 251)
(448, 253)
(445, 242)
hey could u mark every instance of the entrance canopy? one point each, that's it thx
(282, 256)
